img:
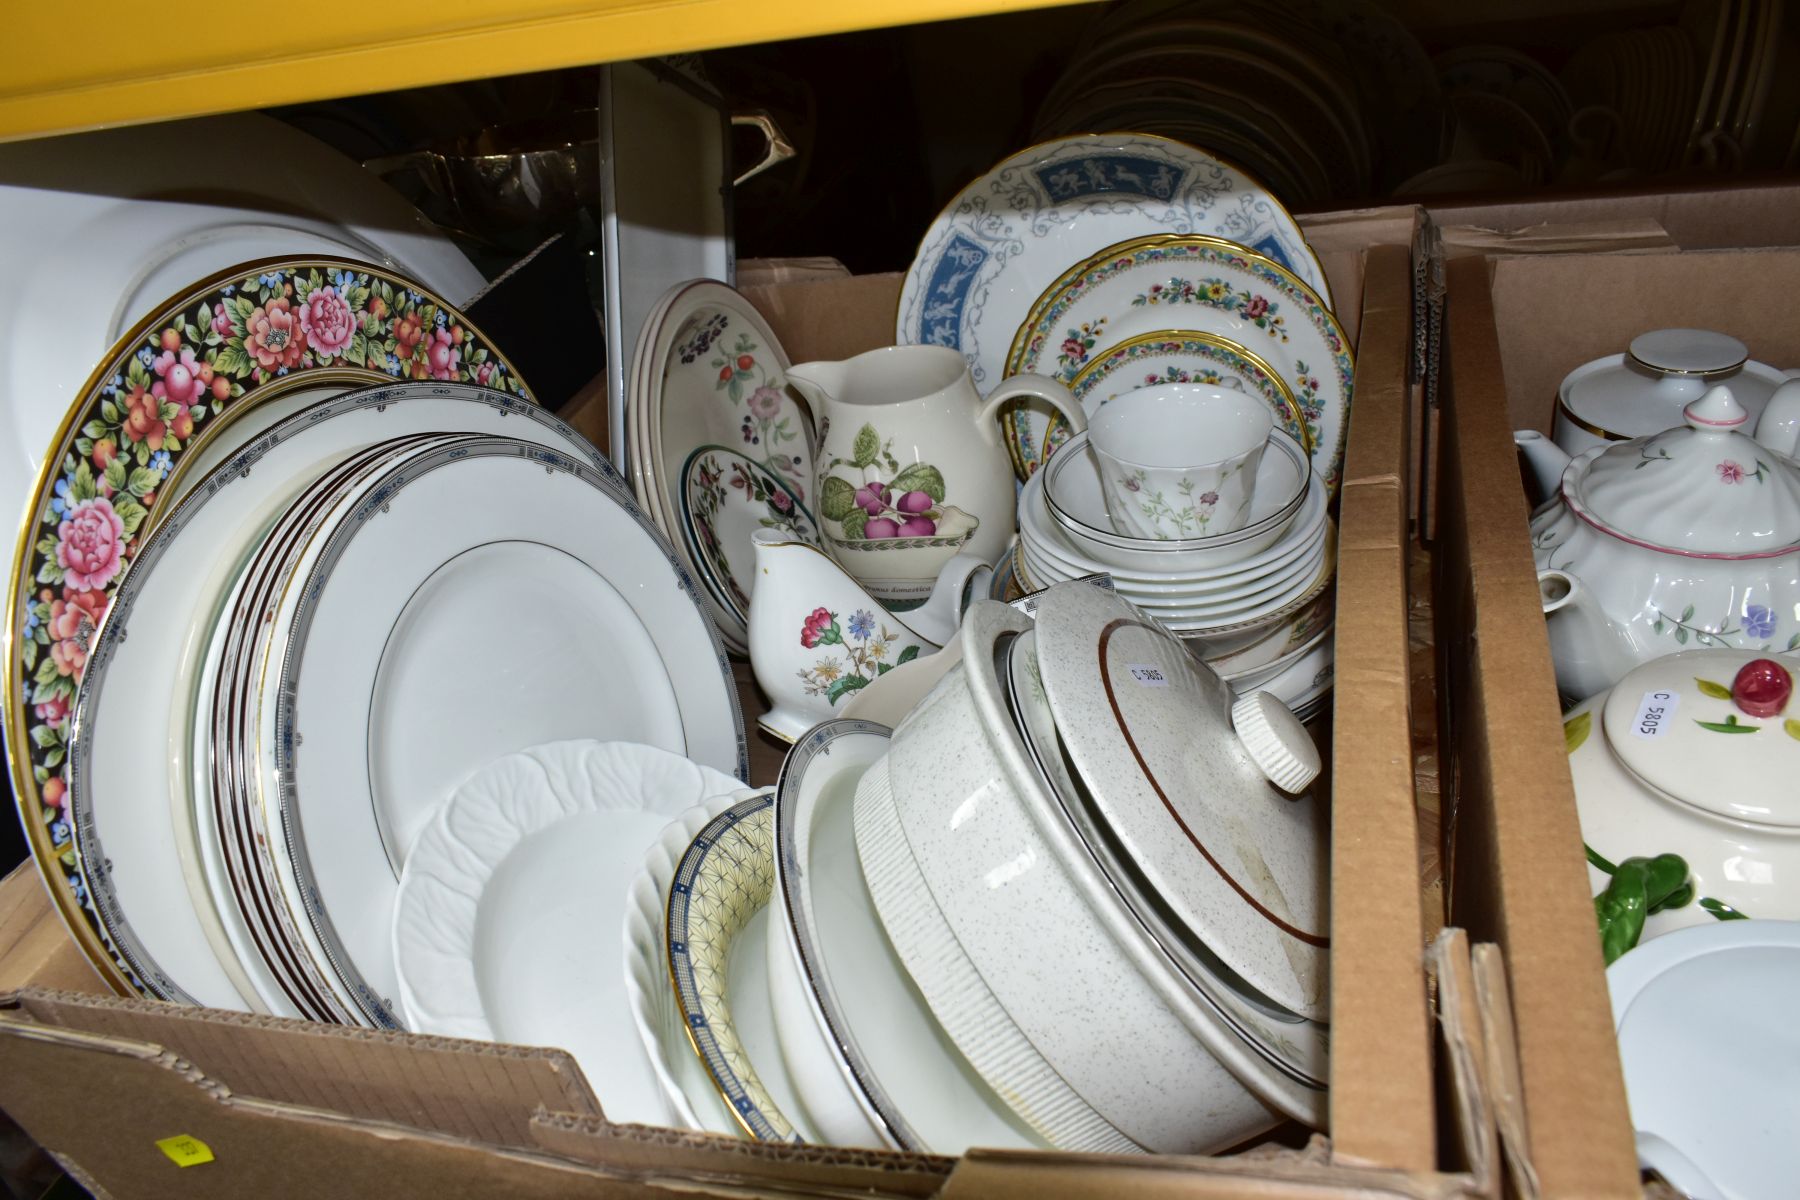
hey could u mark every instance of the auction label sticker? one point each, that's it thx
(1656, 714)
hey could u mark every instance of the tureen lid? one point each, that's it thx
(1703, 488)
(1149, 730)
(1717, 729)
(1688, 351)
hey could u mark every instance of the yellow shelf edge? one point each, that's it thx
(98, 93)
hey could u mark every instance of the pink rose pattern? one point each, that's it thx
(1731, 472)
(90, 542)
(327, 322)
(206, 354)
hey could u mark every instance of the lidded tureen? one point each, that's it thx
(1642, 391)
(1696, 754)
(1690, 537)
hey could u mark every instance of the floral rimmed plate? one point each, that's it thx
(1145, 287)
(725, 497)
(1030, 218)
(156, 400)
(1183, 356)
(726, 877)
(710, 372)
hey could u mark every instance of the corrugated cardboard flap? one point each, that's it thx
(1381, 1107)
(476, 1090)
(1519, 878)
(734, 1160)
(260, 1148)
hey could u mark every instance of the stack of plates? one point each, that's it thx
(708, 402)
(1257, 603)
(838, 963)
(346, 599)
(1117, 261)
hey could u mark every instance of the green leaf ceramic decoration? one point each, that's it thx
(1722, 911)
(1729, 725)
(1638, 888)
(912, 472)
(1673, 759)
(1701, 550)
(1575, 731)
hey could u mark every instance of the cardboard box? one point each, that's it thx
(1517, 875)
(290, 1108)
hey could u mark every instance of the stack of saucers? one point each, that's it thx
(1256, 602)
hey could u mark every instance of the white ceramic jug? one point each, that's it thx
(911, 467)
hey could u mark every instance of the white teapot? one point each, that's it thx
(1696, 754)
(1688, 538)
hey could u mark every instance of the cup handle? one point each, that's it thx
(1040, 387)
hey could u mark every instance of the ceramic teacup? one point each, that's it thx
(1179, 460)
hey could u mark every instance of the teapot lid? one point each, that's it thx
(1717, 729)
(1703, 488)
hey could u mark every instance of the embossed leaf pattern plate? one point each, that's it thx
(484, 949)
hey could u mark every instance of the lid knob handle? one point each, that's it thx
(1762, 688)
(1716, 412)
(1276, 741)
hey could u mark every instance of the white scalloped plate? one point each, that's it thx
(501, 927)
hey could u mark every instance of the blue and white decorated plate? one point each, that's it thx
(1016, 230)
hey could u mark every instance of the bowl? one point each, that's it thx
(1073, 491)
(1180, 562)
(870, 1064)
(1017, 889)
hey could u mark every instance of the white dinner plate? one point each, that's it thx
(134, 913)
(1018, 228)
(890, 1048)
(483, 949)
(389, 686)
(107, 225)
(238, 889)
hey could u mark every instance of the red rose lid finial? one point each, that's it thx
(1762, 688)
